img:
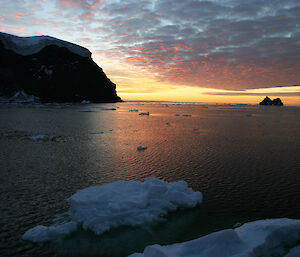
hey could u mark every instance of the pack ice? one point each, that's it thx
(132, 203)
(273, 237)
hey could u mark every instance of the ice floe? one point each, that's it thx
(144, 113)
(96, 132)
(41, 234)
(273, 237)
(186, 115)
(134, 110)
(85, 102)
(131, 203)
(141, 148)
(43, 138)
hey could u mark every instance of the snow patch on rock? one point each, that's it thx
(32, 45)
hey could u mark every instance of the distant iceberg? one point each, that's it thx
(131, 203)
(144, 113)
(274, 237)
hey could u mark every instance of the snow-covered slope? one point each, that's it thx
(274, 237)
(32, 45)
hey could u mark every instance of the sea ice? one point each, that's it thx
(134, 110)
(131, 203)
(96, 132)
(273, 237)
(141, 148)
(85, 102)
(38, 138)
(108, 109)
(144, 113)
(41, 234)
(186, 115)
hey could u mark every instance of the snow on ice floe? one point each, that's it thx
(31, 45)
(274, 237)
(131, 203)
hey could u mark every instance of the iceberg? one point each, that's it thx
(273, 237)
(121, 203)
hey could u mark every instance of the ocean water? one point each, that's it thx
(244, 159)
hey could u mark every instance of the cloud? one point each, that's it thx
(230, 44)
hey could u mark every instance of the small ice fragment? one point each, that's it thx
(204, 106)
(85, 102)
(110, 130)
(134, 110)
(177, 115)
(96, 132)
(249, 114)
(186, 115)
(108, 109)
(144, 113)
(38, 138)
(141, 148)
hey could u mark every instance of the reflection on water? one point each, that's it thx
(245, 160)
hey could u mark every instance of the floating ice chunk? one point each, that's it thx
(85, 102)
(96, 132)
(133, 203)
(41, 234)
(258, 238)
(177, 115)
(249, 115)
(38, 138)
(141, 148)
(134, 110)
(108, 109)
(144, 113)
(186, 115)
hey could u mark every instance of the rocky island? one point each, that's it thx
(52, 70)
(268, 101)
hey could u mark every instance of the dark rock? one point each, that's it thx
(268, 101)
(277, 101)
(56, 71)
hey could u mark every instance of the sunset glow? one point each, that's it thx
(196, 51)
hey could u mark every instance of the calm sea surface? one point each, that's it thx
(244, 159)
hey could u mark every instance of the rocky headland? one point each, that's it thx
(52, 70)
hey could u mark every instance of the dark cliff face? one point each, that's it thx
(55, 74)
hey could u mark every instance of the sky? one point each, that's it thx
(210, 51)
